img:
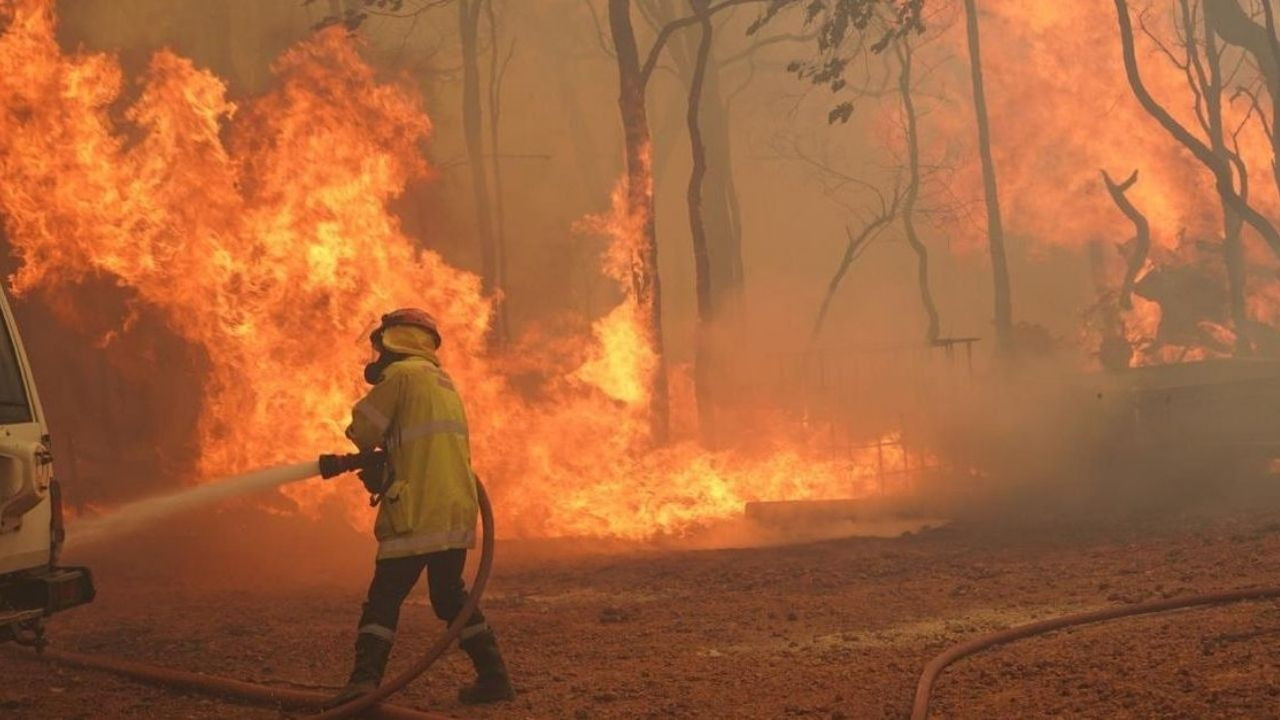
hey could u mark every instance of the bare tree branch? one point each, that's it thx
(904, 53)
(667, 30)
(601, 37)
(750, 50)
(425, 7)
(1136, 258)
(1255, 109)
(1220, 168)
(853, 250)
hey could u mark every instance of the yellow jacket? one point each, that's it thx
(416, 414)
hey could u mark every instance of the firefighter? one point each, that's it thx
(426, 496)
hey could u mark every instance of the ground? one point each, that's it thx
(831, 629)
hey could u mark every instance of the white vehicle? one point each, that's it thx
(32, 585)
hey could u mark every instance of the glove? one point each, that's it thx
(373, 475)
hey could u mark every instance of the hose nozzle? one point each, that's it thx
(335, 465)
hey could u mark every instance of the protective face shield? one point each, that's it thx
(374, 368)
(373, 349)
(380, 357)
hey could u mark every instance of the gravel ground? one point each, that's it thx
(831, 629)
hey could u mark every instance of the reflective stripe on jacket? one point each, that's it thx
(416, 414)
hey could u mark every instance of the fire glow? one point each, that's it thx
(259, 229)
(1063, 111)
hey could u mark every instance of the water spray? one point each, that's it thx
(372, 704)
(133, 515)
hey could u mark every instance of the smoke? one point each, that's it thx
(1026, 437)
(1044, 441)
(260, 231)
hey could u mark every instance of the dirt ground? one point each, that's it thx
(831, 629)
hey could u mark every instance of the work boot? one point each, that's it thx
(372, 653)
(492, 684)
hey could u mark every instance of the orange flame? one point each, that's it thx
(1062, 110)
(274, 249)
(623, 356)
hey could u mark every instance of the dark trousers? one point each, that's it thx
(394, 578)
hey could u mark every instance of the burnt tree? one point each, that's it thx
(633, 78)
(719, 197)
(633, 81)
(473, 135)
(712, 202)
(1221, 168)
(911, 196)
(995, 224)
(498, 63)
(1136, 256)
(1230, 22)
(857, 244)
(849, 29)
(1207, 83)
(1202, 66)
(702, 364)
(1198, 55)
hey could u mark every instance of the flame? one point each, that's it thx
(1062, 110)
(259, 230)
(623, 355)
(1142, 323)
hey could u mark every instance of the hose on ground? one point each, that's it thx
(293, 699)
(253, 693)
(924, 688)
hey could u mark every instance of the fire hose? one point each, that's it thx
(924, 689)
(288, 698)
(294, 699)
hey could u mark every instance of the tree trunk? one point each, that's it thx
(497, 68)
(1230, 22)
(1221, 170)
(702, 363)
(1114, 351)
(720, 212)
(995, 226)
(645, 284)
(1137, 256)
(468, 31)
(1237, 271)
(912, 192)
(1232, 223)
(853, 249)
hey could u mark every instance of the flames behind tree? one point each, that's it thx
(259, 230)
(1061, 111)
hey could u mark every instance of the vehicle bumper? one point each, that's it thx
(46, 591)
